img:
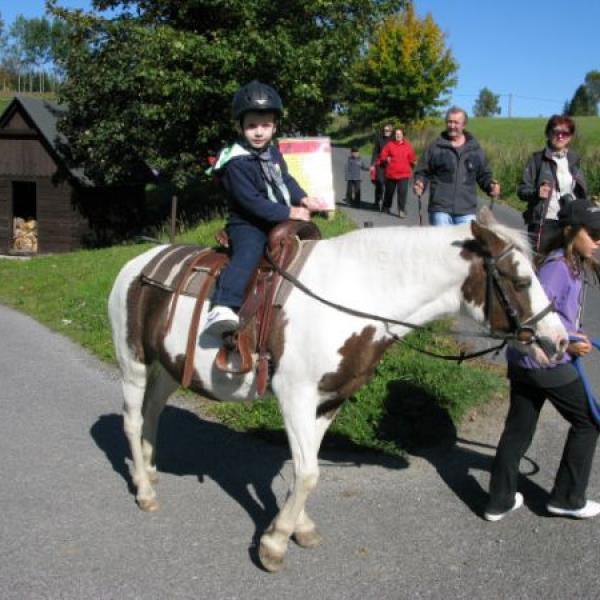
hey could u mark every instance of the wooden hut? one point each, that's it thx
(45, 205)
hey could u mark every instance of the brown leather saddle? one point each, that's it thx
(192, 271)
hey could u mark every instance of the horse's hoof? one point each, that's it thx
(271, 561)
(308, 539)
(148, 505)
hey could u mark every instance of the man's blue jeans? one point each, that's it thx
(441, 218)
(247, 247)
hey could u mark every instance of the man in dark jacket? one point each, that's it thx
(453, 165)
(378, 145)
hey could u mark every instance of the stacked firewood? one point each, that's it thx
(25, 234)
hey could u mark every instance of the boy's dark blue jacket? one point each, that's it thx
(243, 179)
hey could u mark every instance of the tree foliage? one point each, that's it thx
(487, 104)
(154, 85)
(582, 104)
(33, 47)
(592, 83)
(404, 73)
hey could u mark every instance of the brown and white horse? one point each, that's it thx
(320, 355)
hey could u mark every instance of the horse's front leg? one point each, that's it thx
(305, 532)
(299, 415)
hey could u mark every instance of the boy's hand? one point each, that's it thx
(580, 345)
(313, 204)
(299, 213)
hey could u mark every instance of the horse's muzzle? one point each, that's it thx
(554, 350)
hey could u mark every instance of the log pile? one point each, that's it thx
(25, 235)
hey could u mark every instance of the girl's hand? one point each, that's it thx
(580, 346)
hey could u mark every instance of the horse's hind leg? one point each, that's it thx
(299, 414)
(135, 379)
(158, 389)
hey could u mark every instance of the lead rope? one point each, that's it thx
(589, 392)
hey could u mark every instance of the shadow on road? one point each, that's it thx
(239, 462)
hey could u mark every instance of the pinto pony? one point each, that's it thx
(320, 355)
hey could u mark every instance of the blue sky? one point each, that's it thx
(538, 51)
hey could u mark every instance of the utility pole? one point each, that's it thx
(509, 106)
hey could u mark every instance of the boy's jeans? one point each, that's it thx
(247, 246)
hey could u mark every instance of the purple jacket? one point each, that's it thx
(565, 290)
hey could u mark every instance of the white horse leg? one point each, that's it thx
(158, 389)
(305, 532)
(134, 388)
(299, 414)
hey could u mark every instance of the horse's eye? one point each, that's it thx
(522, 283)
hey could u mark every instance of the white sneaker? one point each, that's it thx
(587, 511)
(220, 319)
(489, 516)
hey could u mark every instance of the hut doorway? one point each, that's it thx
(24, 217)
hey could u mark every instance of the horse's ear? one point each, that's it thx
(489, 240)
(486, 217)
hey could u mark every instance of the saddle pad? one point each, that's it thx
(168, 267)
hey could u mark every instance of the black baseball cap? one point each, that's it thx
(580, 212)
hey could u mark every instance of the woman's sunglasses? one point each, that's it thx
(561, 133)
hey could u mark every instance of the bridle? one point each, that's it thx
(522, 331)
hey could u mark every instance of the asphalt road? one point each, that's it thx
(393, 529)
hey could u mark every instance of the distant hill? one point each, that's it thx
(528, 130)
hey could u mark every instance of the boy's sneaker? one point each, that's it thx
(587, 511)
(492, 516)
(221, 319)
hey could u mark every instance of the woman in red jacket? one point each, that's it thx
(398, 158)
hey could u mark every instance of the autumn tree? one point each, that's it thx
(405, 72)
(154, 84)
(487, 104)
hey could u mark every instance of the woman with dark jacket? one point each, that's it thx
(378, 145)
(398, 159)
(550, 174)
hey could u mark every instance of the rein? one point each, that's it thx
(492, 279)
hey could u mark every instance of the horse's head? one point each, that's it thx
(502, 288)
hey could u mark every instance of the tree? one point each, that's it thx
(404, 73)
(155, 87)
(592, 83)
(487, 104)
(582, 104)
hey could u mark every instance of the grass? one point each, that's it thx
(411, 398)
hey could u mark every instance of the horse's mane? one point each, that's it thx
(516, 237)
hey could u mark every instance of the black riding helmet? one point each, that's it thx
(256, 96)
